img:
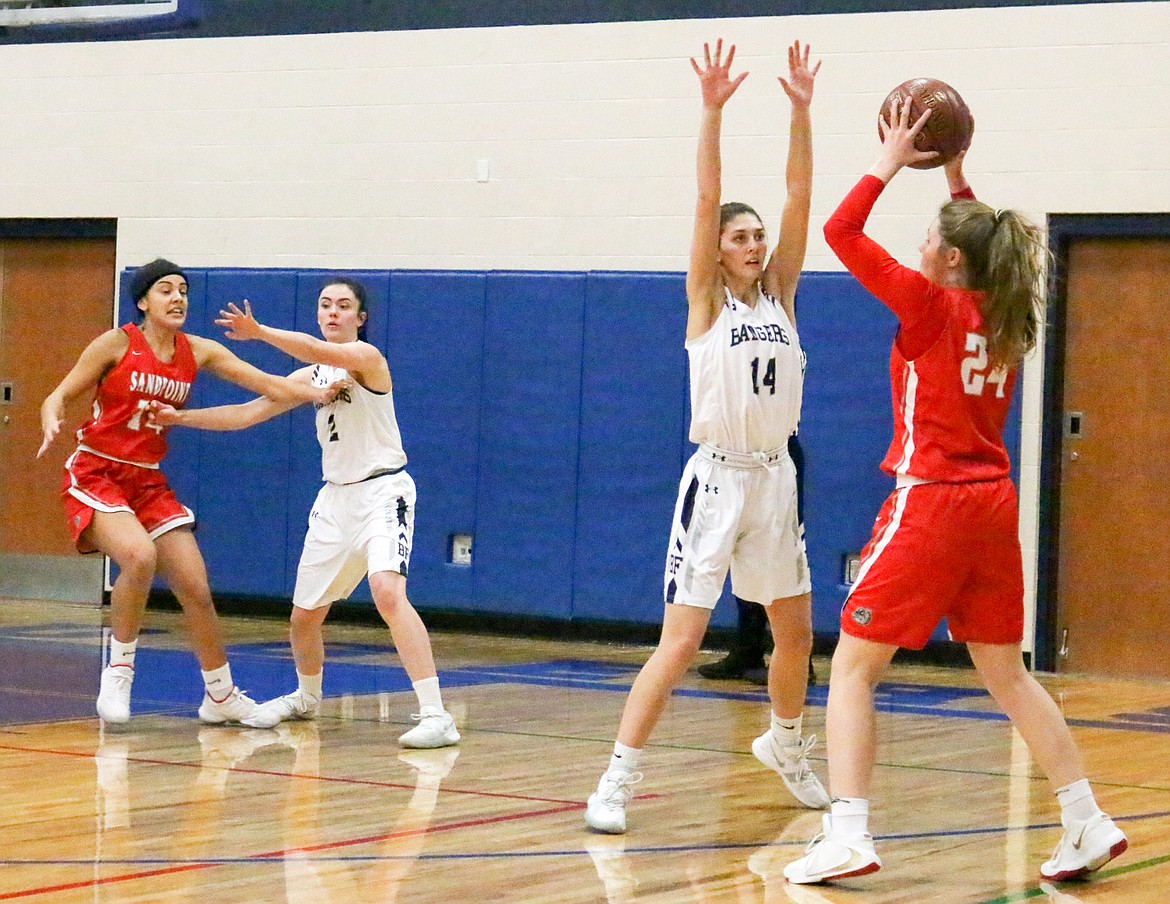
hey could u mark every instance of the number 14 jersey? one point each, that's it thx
(747, 376)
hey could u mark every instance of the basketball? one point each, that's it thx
(950, 126)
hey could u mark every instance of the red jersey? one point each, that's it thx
(118, 427)
(949, 404)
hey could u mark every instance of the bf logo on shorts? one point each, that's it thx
(862, 616)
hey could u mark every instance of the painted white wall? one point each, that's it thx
(361, 150)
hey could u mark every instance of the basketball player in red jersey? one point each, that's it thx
(946, 542)
(117, 501)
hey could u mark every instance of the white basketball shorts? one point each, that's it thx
(745, 520)
(354, 530)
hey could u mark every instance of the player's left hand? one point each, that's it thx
(799, 84)
(239, 324)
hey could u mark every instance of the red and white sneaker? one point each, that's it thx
(236, 707)
(833, 856)
(1084, 848)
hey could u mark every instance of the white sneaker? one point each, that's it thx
(434, 729)
(830, 856)
(792, 764)
(237, 707)
(291, 707)
(1085, 847)
(113, 701)
(606, 809)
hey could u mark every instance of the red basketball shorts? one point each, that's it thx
(941, 550)
(95, 484)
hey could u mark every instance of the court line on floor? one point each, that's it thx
(273, 773)
(265, 857)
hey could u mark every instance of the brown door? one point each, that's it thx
(56, 295)
(1113, 584)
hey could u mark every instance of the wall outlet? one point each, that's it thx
(460, 552)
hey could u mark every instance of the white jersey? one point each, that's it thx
(747, 377)
(358, 431)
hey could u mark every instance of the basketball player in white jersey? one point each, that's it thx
(363, 519)
(737, 505)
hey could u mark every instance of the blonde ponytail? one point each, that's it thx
(1004, 256)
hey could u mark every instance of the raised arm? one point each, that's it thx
(224, 364)
(360, 358)
(783, 270)
(99, 356)
(228, 417)
(704, 283)
(957, 183)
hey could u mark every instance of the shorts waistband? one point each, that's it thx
(82, 447)
(742, 461)
(384, 472)
(909, 480)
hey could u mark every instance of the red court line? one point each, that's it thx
(73, 886)
(275, 774)
(276, 855)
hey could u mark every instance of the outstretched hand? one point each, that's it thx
(898, 135)
(715, 75)
(239, 324)
(799, 84)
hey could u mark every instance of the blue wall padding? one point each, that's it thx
(545, 414)
(529, 434)
(845, 426)
(633, 376)
(244, 476)
(436, 350)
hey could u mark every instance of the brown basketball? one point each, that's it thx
(950, 126)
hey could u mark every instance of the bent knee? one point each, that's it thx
(139, 562)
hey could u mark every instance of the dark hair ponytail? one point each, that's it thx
(1004, 255)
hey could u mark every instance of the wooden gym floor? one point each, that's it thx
(166, 809)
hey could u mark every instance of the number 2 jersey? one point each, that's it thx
(358, 430)
(747, 376)
(949, 405)
(118, 428)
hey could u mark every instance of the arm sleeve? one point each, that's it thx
(919, 305)
(967, 194)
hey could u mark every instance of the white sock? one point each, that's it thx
(850, 816)
(786, 731)
(430, 700)
(310, 685)
(624, 759)
(122, 654)
(219, 683)
(1076, 802)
